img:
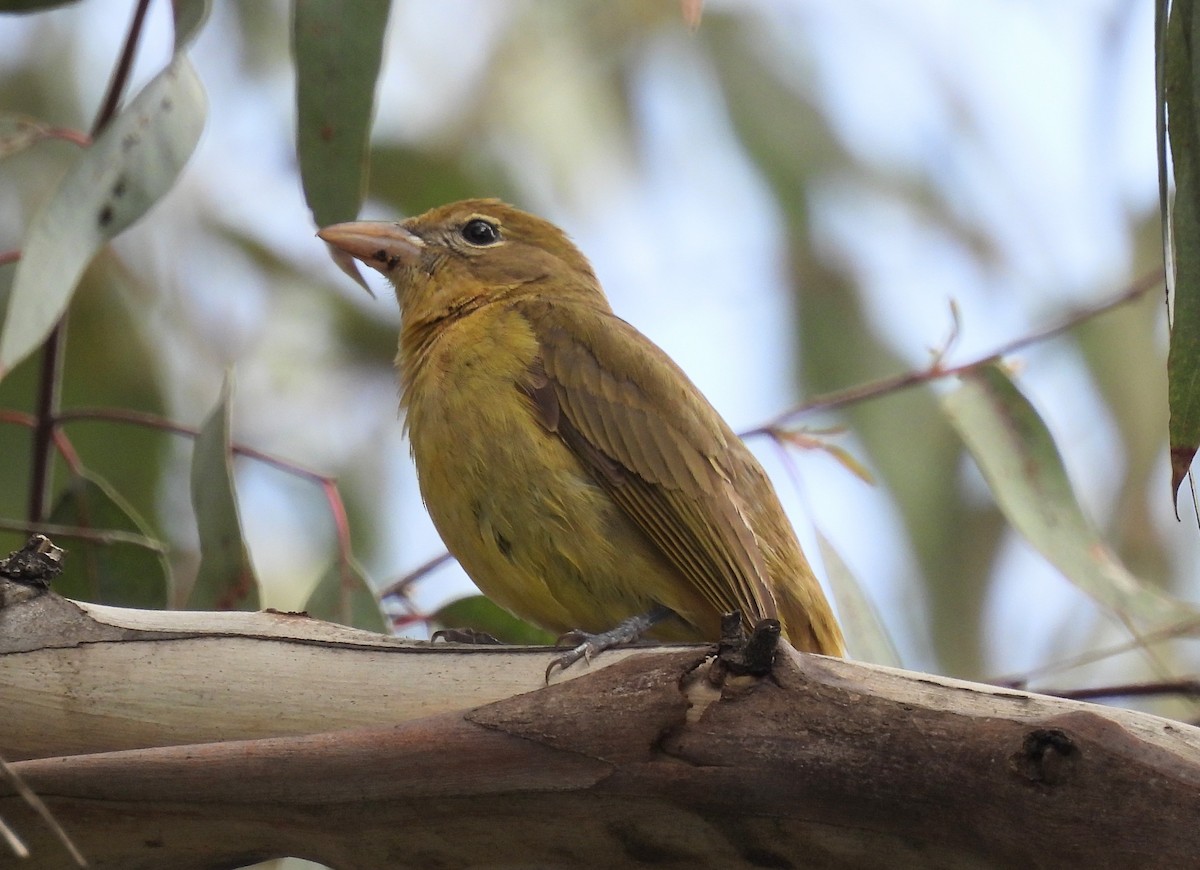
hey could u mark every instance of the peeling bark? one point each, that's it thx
(191, 740)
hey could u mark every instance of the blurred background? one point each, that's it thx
(788, 200)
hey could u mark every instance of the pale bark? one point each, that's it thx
(204, 740)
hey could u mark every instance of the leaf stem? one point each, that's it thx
(328, 485)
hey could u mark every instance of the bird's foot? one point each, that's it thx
(588, 645)
(742, 654)
(464, 635)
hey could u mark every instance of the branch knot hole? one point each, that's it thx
(1048, 756)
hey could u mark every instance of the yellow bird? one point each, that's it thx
(572, 468)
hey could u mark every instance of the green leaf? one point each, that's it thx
(1181, 83)
(337, 49)
(348, 598)
(189, 15)
(866, 636)
(417, 179)
(132, 163)
(226, 579)
(479, 613)
(31, 5)
(1021, 464)
(121, 572)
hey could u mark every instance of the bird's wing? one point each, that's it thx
(654, 443)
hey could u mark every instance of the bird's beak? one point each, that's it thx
(382, 245)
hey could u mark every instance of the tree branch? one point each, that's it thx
(222, 738)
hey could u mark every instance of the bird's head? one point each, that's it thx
(467, 253)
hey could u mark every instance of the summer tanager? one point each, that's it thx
(575, 472)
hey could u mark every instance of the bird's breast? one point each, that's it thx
(460, 379)
(510, 500)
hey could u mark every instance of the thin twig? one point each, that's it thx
(328, 485)
(885, 386)
(1183, 628)
(14, 842)
(17, 418)
(399, 588)
(75, 137)
(68, 453)
(19, 786)
(1128, 690)
(155, 421)
(341, 526)
(97, 536)
(403, 621)
(120, 76)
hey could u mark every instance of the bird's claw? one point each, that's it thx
(584, 651)
(574, 637)
(589, 645)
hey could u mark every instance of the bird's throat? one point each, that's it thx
(418, 335)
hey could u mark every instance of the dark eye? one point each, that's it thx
(477, 231)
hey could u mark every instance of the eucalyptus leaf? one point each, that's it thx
(1182, 98)
(866, 637)
(226, 578)
(189, 15)
(120, 571)
(344, 595)
(128, 168)
(480, 614)
(31, 5)
(1018, 458)
(337, 48)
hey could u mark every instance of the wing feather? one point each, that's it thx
(651, 440)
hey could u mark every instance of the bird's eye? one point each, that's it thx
(477, 231)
